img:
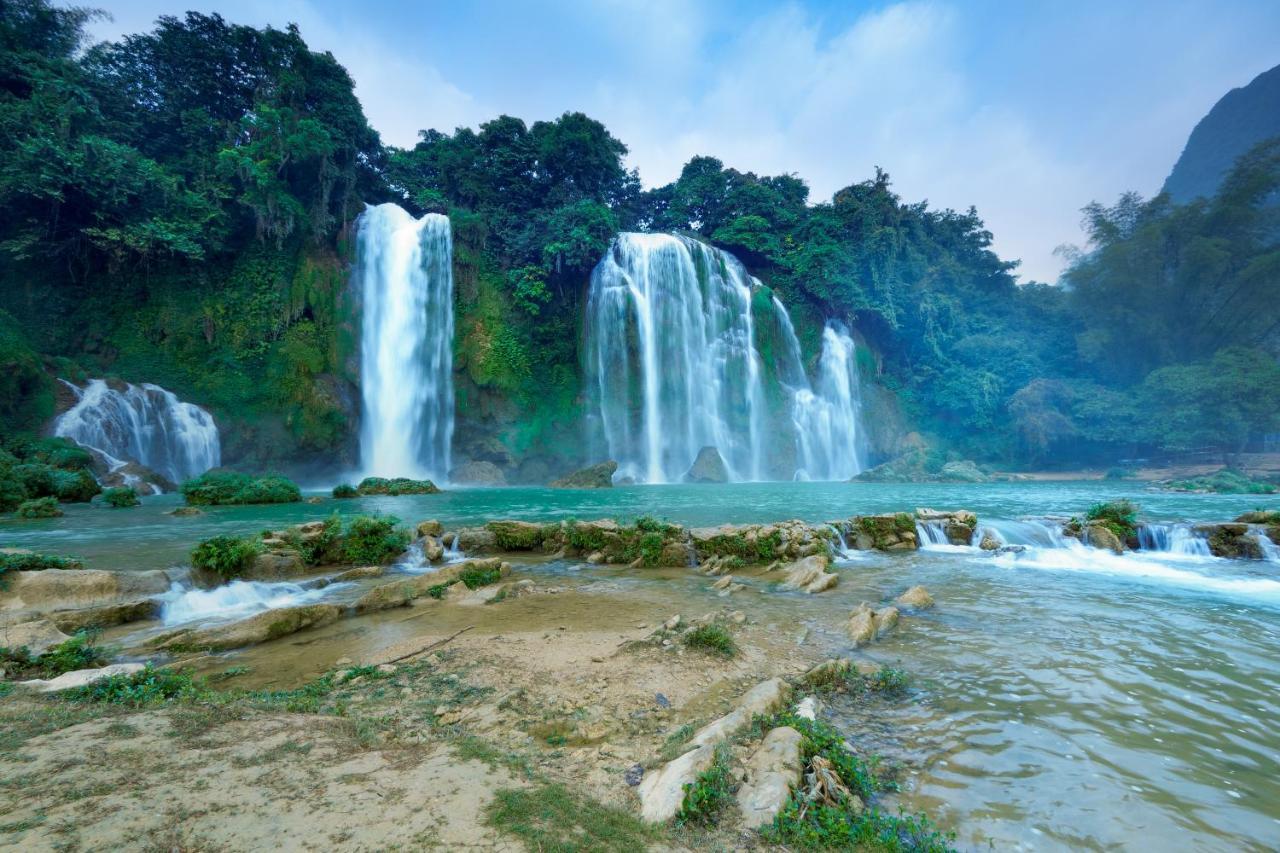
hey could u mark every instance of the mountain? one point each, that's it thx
(1240, 120)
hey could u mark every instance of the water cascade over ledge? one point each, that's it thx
(404, 272)
(673, 366)
(144, 424)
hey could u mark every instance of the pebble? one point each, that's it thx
(634, 774)
(663, 701)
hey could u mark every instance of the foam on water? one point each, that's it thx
(236, 600)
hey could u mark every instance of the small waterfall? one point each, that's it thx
(670, 357)
(1030, 533)
(144, 424)
(932, 533)
(238, 599)
(1270, 550)
(827, 417)
(404, 269)
(1179, 539)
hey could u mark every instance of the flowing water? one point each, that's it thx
(404, 274)
(1064, 697)
(144, 424)
(673, 365)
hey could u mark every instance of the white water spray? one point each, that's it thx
(404, 269)
(828, 417)
(144, 424)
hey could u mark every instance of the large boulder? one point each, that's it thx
(106, 615)
(398, 593)
(810, 575)
(66, 589)
(82, 677)
(478, 473)
(599, 476)
(1233, 540)
(772, 771)
(259, 628)
(1100, 536)
(38, 636)
(709, 467)
(891, 532)
(915, 598)
(867, 625)
(475, 540)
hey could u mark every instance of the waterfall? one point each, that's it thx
(827, 417)
(238, 599)
(404, 270)
(144, 424)
(671, 360)
(672, 366)
(1177, 539)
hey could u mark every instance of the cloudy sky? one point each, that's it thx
(1026, 110)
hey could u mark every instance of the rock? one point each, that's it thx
(398, 593)
(596, 557)
(475, 540)
(866, 625)
(1099, 536)
(66, 589)
(81, 677)
(599, 476)
(723, 583)
(478, 473)
(810, 574)
(633, 775)
(516, 535)
(709, 467)
(259, 628)
(661, 700)
(185, 511)
(662, 792)
(737, 617)
(672, 623)
(964, 471)
(773, 770)
(429, 528)
(38, 635)
(826, 672)
(432, 550)
(915, 598)
(359, 573)
(1232, 540)
(989, 543)
(106, 615)
(764, 698)
(314, 500)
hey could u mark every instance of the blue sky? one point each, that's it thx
(1026, 110)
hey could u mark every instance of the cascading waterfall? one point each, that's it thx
(144, 424)
(1179, 539)
(672, 366)
(671, 359)
(404, 269)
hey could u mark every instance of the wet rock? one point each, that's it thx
(708, 467)
(431, 527)
(867, 625)
(773, 770)
(891, 532)
(82, 677)
(259, 628)
(661, 700)
(810, 575)
(359, 573)
(185, 511)
(432, 550)
(599, 476)
(314, 500)
(38, 635)
(989, 543)
(398, 593)
(915, 598)
(516, 535)
(826, 672)
(475, 540)
(106, 615)
(1099, 536)
(67, 589)
(1232, 540)
(672, 623)
(478, 473)
(723, 583)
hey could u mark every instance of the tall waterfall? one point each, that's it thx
(671, 360)
(405, 276)
(144, 424)
(672, 366)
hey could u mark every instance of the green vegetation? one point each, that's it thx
(476, 578)
(885, 681)
(142, 689)
(121, 497)
(373, 540)
(22, 561)
(396, 486)
(1228, 481)
(39, 508)
(228, 557)
(319, 549)
(345, 490)
(552, 818)
(214, 488)
(1120, 517)
(712, 638)
(516, 536)
(709, 794)
(79, 652)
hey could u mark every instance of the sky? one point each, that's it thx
(1027, 111)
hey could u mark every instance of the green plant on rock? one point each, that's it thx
(713, 638)
(148, 687)
(1120, 517)
(214, 488)
(40, 508)
(396, 486)
(345, 490)
(317, 549)
(373, 540)
(709, 794)
(79, 652)
(22, 561)
(585, 538)
(515, 536)
(120, 497)
(475, 578)
(229, 557)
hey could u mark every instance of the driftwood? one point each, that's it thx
(428, 647)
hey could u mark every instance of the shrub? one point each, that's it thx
(345, 490)
(514, 536)
(230, 487)
(396, 486)
(583, 538)
(709, 794)
(78, 652)
(228, 557)
(1120, 517)
(75, 486)
(40, 508)
(148, 687)
(373, 540)
(22, 561)
(320, 549)
(476, 578)
(712, 638)
(121, 497)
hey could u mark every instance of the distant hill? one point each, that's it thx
(1240, 120)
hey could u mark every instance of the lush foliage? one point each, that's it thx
(39, 508)
(230, 487)
(712, 638)
(395, 486)
(373, 540)
(81, 651)
(1120, 517)
(149, 686)
(228, 557)
(23, 561)
(710, 793)
(121, 497)
(345, 490)
(1226, 482)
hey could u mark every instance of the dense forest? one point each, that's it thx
(177, 207)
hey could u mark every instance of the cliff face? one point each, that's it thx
(1239, 121)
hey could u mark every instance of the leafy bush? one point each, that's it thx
(373, 540)
(39, 508)
(396, 486)
(712, 638)
(214, 488)
(1120, 517)
(148, 687)
(78, 652)
(709, 794)
(229, 557)
(320, 549)
(75, 486)
(345, 490)
(476, 578)
(121, 497)
(21, 561)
